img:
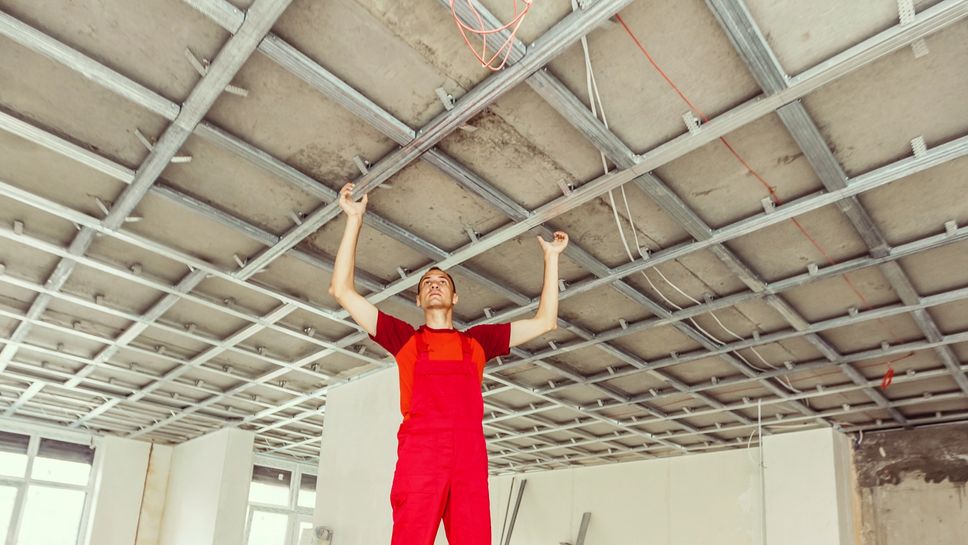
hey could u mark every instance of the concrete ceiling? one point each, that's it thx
(168, 292)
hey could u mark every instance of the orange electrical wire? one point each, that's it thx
(483, 32)
(889, 375)
(774, 197)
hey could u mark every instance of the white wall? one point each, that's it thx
(119, 479)
(712, 499)
(153, 500)
(709, 499)
(808, 488)
(706, 498)
(357, 458)
(208, 490)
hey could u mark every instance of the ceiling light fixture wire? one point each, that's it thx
(481, 30)
(598, 110)
(774, 197)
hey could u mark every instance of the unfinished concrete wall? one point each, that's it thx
(912, 486)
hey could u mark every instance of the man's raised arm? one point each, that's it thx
(546, 318)
(341, 287)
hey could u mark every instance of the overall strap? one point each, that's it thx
(422, 349)
(467, 351)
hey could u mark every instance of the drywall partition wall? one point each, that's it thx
(233, 502)
(155, 492)
(912, 486)
(713, 499)
(808, 488)
(357, 457)
(208, 490)
(119, 483)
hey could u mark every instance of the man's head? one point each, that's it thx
(436, 290)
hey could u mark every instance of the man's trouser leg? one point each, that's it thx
(419, 492)
(467, 514)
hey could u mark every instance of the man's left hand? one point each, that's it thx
(557, 244)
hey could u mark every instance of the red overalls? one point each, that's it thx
(441, 456)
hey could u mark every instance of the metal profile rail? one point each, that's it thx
(931, 20)
(307, 70)
(105, 340)
(312, 73)
(828, 413)
(229, 60)
(749, 404)
(218, 396)
(766, 69)
(247, 229)
(567, 31)
(959, 294)
(571, 108)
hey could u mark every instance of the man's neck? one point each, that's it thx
(439, 318)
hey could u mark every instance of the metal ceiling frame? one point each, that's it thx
(763, 64)
(116, 82)
(930, 21)
(338, 91)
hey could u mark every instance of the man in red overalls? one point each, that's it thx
(441, 471)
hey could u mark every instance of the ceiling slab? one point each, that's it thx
(712, 181)
(167, 353)
(320, 142)
(642, 109)
(129, 38)
(47, 93)
(861, 115)
(801, 34)
(783, 250)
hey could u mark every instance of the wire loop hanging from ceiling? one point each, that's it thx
(499, 58)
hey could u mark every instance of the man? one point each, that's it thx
(441, 470)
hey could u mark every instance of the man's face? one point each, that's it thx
(436, 291)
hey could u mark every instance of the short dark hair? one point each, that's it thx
(449, 277)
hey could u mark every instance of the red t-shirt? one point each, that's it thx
(397, 337)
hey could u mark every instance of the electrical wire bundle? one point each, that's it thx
(598, 111)
(499, 58)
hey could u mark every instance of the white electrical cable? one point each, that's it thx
(598, 110)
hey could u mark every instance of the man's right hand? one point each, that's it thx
(350, 207)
